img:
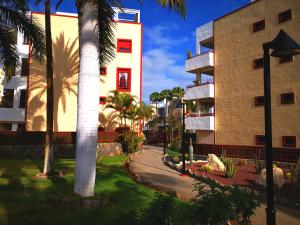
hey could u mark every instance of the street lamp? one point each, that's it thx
(283, 46)
(165, 135)
(182, 104)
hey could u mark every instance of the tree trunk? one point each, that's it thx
(88, 98)
(48, 160)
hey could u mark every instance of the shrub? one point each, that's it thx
(216, 204)
(258, 164)
(230, 169)
(131, 142)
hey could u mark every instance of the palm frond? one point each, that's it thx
(177, 5)
(13, 17)
(106, 28)
(9, 54)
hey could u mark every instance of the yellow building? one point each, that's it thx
(229, 77)
(123, 73)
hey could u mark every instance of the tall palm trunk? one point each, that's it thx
(88, 97)
(48, 161)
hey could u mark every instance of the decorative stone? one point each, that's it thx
(278, 177)
(215, 163)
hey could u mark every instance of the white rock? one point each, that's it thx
(215, 162)
(278, 177)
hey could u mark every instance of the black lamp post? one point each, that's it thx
(165, 135)
(183, 137)
(283, 46)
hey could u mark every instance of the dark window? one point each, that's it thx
(289, 141)
(25, 67)
(123, 80)
(260, 139)
(103, 70)
(260, 25)
(285, 59)
(287, 98)
(22, 99)
(124, 45)
(102, 100)
(258, 63)
(285, 16)
(259, 101)
(7, 100)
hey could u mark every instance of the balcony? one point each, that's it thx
(12, 115)
(200, 122)
(203, 63)
(201, 91)
(204, 33)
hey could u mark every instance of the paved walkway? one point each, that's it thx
(148, 167)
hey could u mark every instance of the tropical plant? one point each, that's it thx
(12, 18)
(146, 112)
(219, 204)
(167, 96)
(155, 98)
(258, 164)
(133, 114)
(177, 92)
(109, 121)
(190, 106)
(188, 54)
(230, 169)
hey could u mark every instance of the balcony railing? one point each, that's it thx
(200, 63)
(200, 122)
(12, 115)
(201, 91)
(200, 84)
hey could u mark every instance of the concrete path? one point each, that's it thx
(148, 167)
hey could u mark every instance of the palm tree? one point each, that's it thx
(146, 112)
(13, 17)
(155, 98)
(93, 13)
(177, 92)
(167, 96)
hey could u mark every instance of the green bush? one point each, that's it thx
(158, 213)
(131, 142)
(230, 169)
(216, 204)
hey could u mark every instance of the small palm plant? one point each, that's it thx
(230, 169)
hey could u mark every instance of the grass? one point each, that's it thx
(25, 199)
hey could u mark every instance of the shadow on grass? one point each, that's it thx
(26, 199)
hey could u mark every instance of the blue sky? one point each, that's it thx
(167, 37)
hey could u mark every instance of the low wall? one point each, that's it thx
(66, 151)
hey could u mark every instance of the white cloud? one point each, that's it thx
(163, 36)
(162, 71)
(163, 67)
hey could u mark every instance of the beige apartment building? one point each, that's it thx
(230, 107)
(124, 73)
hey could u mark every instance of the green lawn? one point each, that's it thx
(25, 199)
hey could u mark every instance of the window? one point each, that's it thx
(259, 100)
(25, 67)
(102, 100)
(7, 100)
(289, 141)
(260, 25)
(287, 98)
(285, 16)
(124, 45)
(286, 59)
(123, 79)
(258, 63)
(260, 139)
(103, 70)
(22, 99)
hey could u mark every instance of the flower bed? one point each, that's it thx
(288, 195)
